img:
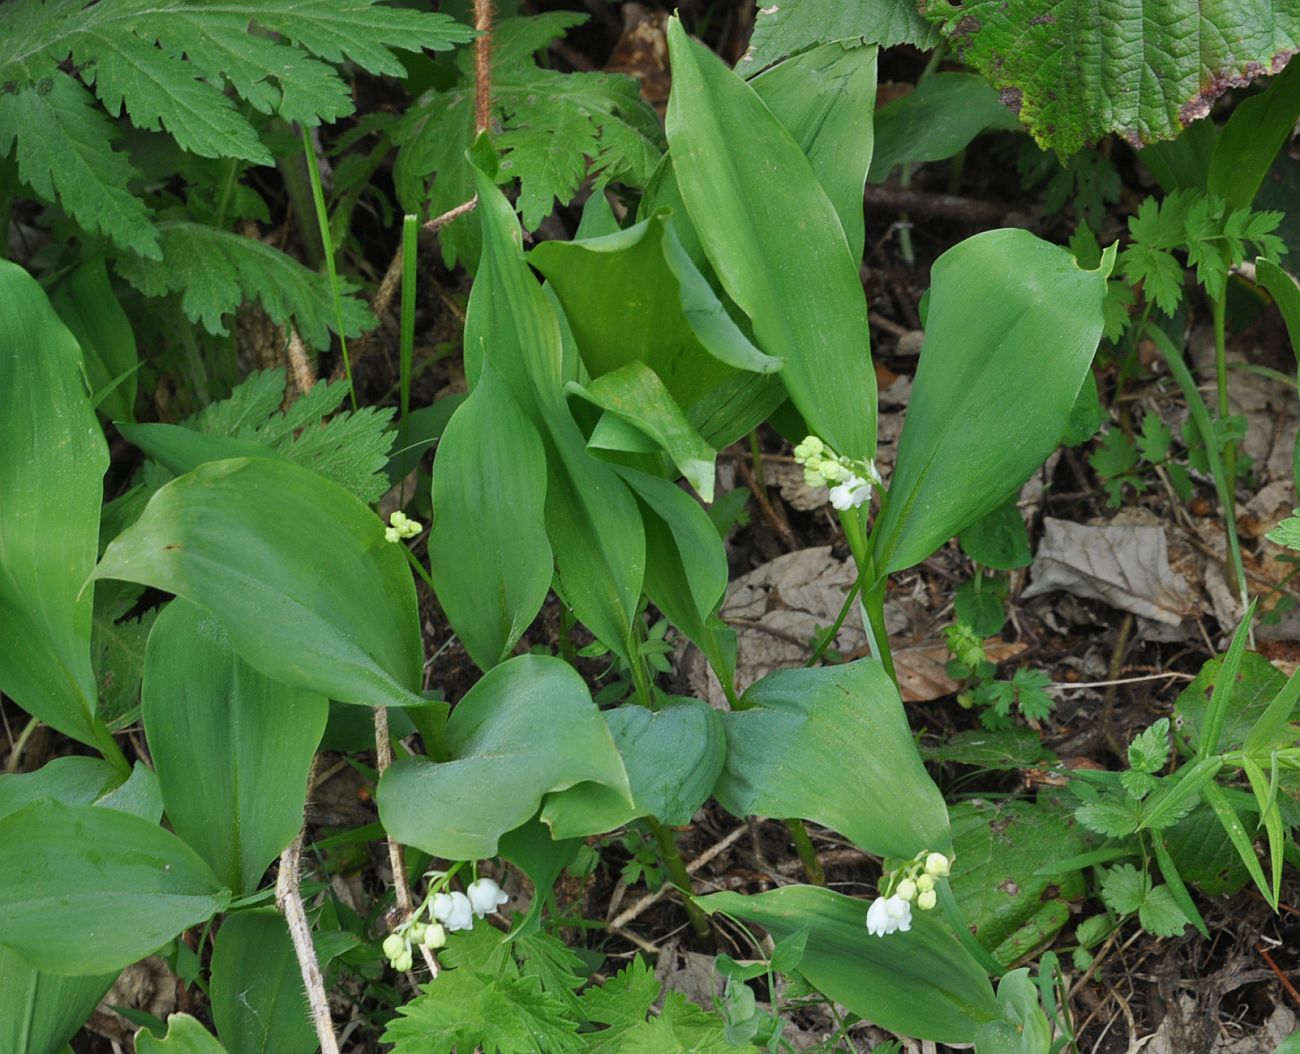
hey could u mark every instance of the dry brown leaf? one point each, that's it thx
(922, 675)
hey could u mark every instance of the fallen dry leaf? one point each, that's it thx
(1125, 566)
(922, 673)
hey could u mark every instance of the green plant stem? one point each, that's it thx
(1220, 308)
(676, 869)
(828, 636)
(812, 867)
(567, 651)
(756, 456)
(419, 567)
(406, 350)
(905, 176)
(16, 753)
(952, 913)
(327, 240)
(108, 747)
(873, 597)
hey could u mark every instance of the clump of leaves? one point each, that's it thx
(1123, 461)
(1086, 183)
(1025, 692)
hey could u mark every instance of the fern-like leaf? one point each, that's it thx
(215, 271)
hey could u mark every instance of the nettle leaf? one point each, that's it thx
(1124, 888)
(1115, 819)
(1160, 69)
(1150, 750)
(556, 128)
(216, 271)
(1287, 532)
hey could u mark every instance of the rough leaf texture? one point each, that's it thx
(1076, 71)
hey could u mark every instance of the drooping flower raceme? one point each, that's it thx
(850, 481)
(447, 911)
(453, 910)
(913, 883)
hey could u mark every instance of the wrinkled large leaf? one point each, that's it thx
(1012, 329)
(998, 848)
(673, 758)
(290, 563)
(919, 983)
(1143, 69)
(40, 1012)
(232, 748)
(792, 721)
(258, 1003)
(526, 728)
(86, 890)
(789, 26)
(591, 517)
(488, 552)
(52, 462)
(773, 237)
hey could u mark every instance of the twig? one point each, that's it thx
(704, 858)
(396, 858)
(392, 279)
(483, 65)
(1286, 981)
(905, 199)
(777, 521)
(1067, 686)
(288, 900)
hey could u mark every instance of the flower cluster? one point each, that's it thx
(448, 912)
(850, 481)
(911, 884)
(402, 526)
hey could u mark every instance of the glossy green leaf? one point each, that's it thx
(258, 1003)
(636, 296)
(52, 462)
(488, 551)
(820, 97)
(936, 120)
(1238, 836)
(118, 886)
(1259, 127)
(1258, 683)
(184, 1036)
(637, 395)
(40, 1012)
(591, 517)
(1202, 856)
(86, 303)
(1155, 68)
(527, 728)
(73, 780)
(287, 561)
(531, 848)
(1024, 1028)
(919, 983)
(180, 450)
(775, 241)
(232, 748)
(998, 850)
(1284, 291)
(686, 569)
(1011, 332)
(673, 758)
(792, 721)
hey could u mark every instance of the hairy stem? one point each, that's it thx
(483, 65)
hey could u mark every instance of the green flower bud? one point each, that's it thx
(435, 936)
(906, 889)
(927, 900)
(937, 865)
(394, 945)
(925, 883)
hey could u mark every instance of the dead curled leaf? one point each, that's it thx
(1125, 566)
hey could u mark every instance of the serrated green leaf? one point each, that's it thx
(216, 271)
(1287, 532)
(1124, 889)
(791, 26)
(625, 998)
(1031, 695)
(1150, 749)
(1155, 438)
(1112, 818)
(1114, 455)
(1144, 85)
(1160, 915)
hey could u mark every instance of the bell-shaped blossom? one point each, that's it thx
(461, 915)
(485, 896)
(887, 915)
(853, 492)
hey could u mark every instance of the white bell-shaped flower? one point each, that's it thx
(485, 896)
(850, 494)
(461, 915)
(888, 915)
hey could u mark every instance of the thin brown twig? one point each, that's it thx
(709, 854)
(483, 65)
(391, 282)
(288, 899)
(1281, 976)
(779, 524)
(396, 858)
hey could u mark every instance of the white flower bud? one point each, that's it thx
(813, 479)
(927, 900)
(906, 889)
(403, 962)
(394, 945)
(925, 883)
(392, 534)
(435, 936)
(485, 896)
(850, 494)
(937, 864)
(441, 907)
(888, 915)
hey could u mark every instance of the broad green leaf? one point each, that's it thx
(1024, 1028)
(792, 26)
(591, 517)
(636, 296)
(72, 780)
(791, 721)
(180, 450)
(820, 97)
(773, 237)
(488, 551)
(1258, 128)
(998, 850)
(52, 462)
(1156, 68)
(637, 395)
(258, 1004)
(286, 560)
(1011, 332)
(686, 569)
(935, 121)
(673, 758)
(232, 748)
(1284, 291)
(86, 303)
(999, 539)
(531, 848)
(184, 1036)
(40, 1012)
(1016, 747)
(85, 890)
(920, 983)
(528, 727)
